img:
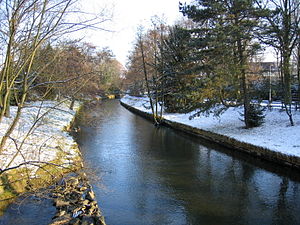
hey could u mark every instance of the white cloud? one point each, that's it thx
(127, 16)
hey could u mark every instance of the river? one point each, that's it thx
(151, 175)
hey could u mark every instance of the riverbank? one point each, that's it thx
(39, 149)
(39, 152)
(275, 140)
(75, 202)
(41, 135)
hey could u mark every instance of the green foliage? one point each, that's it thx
(256, 115)
(207, 64)
(224, 42)
(261, 90)
(174, 65)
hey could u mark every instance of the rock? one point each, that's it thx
(93, 203)
(58, 195)
(90, 195)
(74, 196)
(59, 214)
(61, 203)
(93, 210)
(87, 220)
(99, 220)
(77, 213)
(61, 220)
(85, 202)
(76, 204)
(75, 221)
(73, 181)
(97, 214)
(102, 220)
(83, 189)
(78, 209)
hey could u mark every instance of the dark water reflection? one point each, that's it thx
(29, 210)
(158, 176)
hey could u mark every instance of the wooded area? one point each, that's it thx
(211, 60)
(40, 61)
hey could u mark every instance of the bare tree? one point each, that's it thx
(141, 45)
(25, 26)
(148, 48)
(280, 30)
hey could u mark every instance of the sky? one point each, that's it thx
(127, 16)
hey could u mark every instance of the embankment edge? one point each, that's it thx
(257, 151)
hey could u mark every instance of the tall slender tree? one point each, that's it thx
(281, 28)
(146, 69)
(145, 60)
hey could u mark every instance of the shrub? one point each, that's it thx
(256, 115)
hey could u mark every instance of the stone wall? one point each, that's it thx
(267, 154)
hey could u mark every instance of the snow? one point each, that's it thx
(275, 134)
(45, 141)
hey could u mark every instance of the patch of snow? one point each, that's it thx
(275, 134)
(42, 142)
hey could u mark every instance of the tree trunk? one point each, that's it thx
(298, 73)
(287, 86)
(72, 103)
(10, 129)
(7, 107)
(286, 55)
(244, 85)
(147, 81)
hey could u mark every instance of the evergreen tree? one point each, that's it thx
(256, 115)
(175, 63)
(225, 43)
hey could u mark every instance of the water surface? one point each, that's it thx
(29, 210)
(160, 176)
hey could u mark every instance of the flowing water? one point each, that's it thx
(161, 176)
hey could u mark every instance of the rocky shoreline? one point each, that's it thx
(74, 197)
(59, 155)
(75, 202)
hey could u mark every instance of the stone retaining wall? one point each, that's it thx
(267, 154)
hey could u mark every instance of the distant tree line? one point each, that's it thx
(206, 62)
(76, 70)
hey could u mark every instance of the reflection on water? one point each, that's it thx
(158, 176)
(29, 210)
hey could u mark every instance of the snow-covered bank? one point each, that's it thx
(46, 141)
(275, 134)
(42, 136)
